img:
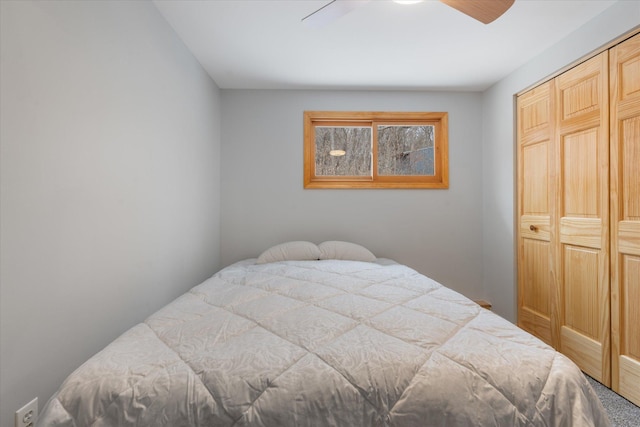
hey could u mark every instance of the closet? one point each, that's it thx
(578, 204)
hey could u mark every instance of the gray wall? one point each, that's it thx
(437, 232)
(498, 161)
(110, 187)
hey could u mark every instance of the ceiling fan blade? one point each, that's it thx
(485, 11)
(331, 11)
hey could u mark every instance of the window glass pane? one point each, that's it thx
(343, 151)
(406, 150)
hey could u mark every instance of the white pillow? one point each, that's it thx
(290, 251)
(334, 249)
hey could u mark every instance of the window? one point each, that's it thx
(375, 150)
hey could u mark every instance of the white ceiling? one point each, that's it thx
(262, 44)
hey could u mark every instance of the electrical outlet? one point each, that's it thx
(28, 414)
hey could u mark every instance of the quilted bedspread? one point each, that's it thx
(324, 343)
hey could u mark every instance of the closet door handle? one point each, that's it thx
(533, 228)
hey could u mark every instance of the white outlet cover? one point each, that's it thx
(27, 415)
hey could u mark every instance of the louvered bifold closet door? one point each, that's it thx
(535, 206)
(625, 218)
(582, 222)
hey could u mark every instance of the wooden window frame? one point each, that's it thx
(372, 118)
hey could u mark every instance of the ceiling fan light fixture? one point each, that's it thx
(485, 11)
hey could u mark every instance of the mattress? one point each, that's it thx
(324, 343)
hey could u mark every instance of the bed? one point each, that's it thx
(324, 335)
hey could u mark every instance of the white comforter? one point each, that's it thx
(324, 343)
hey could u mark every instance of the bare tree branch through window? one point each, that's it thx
(375, 150)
